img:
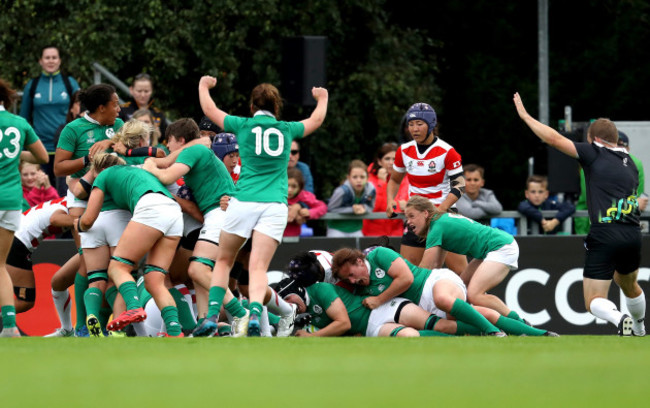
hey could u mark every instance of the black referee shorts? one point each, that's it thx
(612, 247)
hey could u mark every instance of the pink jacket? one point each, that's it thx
(317, 209)
(35, 196)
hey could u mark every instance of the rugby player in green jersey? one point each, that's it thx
(16, 134)
(258, 207)
(495, 252)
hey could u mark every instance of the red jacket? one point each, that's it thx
(35, 195)
(391, 228)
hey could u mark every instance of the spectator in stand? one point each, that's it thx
(354, 196)
(378, 176)
(477, 203)
(303, 205)
(141, 98)
(36, 184)
(537, 201)
(144, 115)
(303, 167)
(581, 224)
(46, 100)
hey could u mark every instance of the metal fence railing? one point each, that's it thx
(520, 221)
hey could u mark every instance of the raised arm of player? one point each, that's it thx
(548, 135)
(208, 106)
(317, 117)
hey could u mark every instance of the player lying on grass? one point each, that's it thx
(337, 312)
(385, 274)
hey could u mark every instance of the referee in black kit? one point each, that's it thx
(614, 241)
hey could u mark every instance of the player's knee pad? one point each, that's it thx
(396, 330)
(98, 275)
(202, 260)
(153, 268)
(25, 294)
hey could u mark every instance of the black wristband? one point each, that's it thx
(86, 185)
(79, 225)
(147, 151)
(86, 160)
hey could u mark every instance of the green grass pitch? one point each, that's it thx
(575, 371)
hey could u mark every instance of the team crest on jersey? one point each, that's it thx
(110, 133)
(380, 273)
(64, 95)
(318, 309)
(432, 167)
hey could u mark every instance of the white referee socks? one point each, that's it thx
(606, 310)
(636, 306)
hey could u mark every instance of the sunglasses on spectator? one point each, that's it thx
(295, 151)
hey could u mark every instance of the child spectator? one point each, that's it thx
(354, 196)
(303, 205)
(537, 201)
(378, 175)
(36, 184)
(477, 203)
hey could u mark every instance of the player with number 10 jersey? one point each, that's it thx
(264, 145)
(258, 209)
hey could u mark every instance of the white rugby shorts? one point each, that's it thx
(242, 217)
(160, 212)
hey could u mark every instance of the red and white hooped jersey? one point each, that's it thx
(35, 222)
(429, 172)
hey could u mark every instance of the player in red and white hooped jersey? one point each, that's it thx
(434, 171)
(45, 219)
